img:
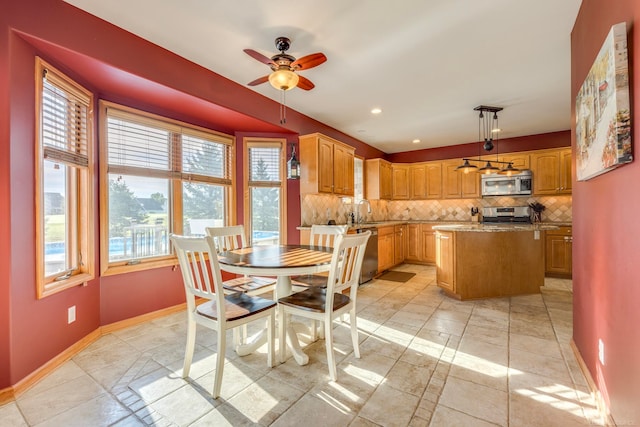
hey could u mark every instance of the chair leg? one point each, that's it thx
(354, 332)
(188, 352)
(328, 342)
(321, 330)
(314, 331)
(271, 341)
(281, 332)
(222, 348)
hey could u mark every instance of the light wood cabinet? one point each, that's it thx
(434, 180)
(414, 243)
(326, 165)
(400, 181)
(343, 170)
(459, 185)
(445, 260)
(417, 181)
(428, 236)
(558, 252)
(399, 244)
(551, 171)
(518, 160)
(421, 244)
(386, 250)
(565, 171)
(378, 178)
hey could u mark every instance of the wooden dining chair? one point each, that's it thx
(321, 235)
(221, 312)
(231, 238)
(327, 304)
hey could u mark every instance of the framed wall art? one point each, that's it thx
(603, 119)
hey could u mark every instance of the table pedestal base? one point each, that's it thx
(283, 288)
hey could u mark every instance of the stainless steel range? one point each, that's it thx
(514, 214)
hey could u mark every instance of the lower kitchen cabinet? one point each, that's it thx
(445, 260)
(386, 251)
(399, 244)
(558, 252)
(428, 243)
(414, 243)
(421, 244)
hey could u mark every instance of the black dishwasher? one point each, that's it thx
(370, 262)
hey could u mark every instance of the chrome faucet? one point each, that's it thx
(358, 209)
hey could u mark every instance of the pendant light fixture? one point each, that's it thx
(293, 165)
(487, 127)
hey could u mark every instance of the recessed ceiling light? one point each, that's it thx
(376, 111)
(416, 141)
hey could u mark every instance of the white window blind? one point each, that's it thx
(205, 159)
(264, 165)
(144, 146)
(64, 118)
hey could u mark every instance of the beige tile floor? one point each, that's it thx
(427, 360)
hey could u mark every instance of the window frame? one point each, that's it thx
(280, 143)
(174, 177)
(80, 198)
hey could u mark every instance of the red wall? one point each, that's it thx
(606, 279)
(521, 143)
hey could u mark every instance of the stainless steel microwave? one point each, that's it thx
(502, 185)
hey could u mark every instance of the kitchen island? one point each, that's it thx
(480, 261)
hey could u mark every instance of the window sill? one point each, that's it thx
(112, 270)
(55, 287)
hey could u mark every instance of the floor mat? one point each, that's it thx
(396, 276)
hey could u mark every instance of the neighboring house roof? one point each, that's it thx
(151, 205)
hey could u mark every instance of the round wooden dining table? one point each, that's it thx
(282, 261)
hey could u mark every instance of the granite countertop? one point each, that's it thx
(458, 225)
(492, 228)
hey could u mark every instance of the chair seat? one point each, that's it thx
(310, 280)
(237, 306)
(248, 284)
(314, 299)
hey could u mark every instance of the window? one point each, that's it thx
(265, 200)
(64, 171)
(161, 176)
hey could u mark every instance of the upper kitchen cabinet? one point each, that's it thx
(518, 160)
(400, 181)
(326, 165)
(378, 178)
(459, 185)
(417, 181)
(433, 171)
(551, 171)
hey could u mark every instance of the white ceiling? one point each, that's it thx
(426, 63)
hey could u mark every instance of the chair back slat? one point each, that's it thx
(227, 238)
(325, 235)
(200, 268)
(346, 264)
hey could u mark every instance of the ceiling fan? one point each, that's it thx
(284, 67)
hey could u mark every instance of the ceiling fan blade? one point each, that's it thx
(304, 83)
(308, 61)
(260, 57)
(259, 81)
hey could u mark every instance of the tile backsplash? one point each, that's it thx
(320, 208)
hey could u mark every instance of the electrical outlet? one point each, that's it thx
(71, 314)
(601, 351)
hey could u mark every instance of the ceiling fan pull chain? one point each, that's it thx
(283, 108)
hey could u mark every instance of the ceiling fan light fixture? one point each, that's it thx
(283, 79)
